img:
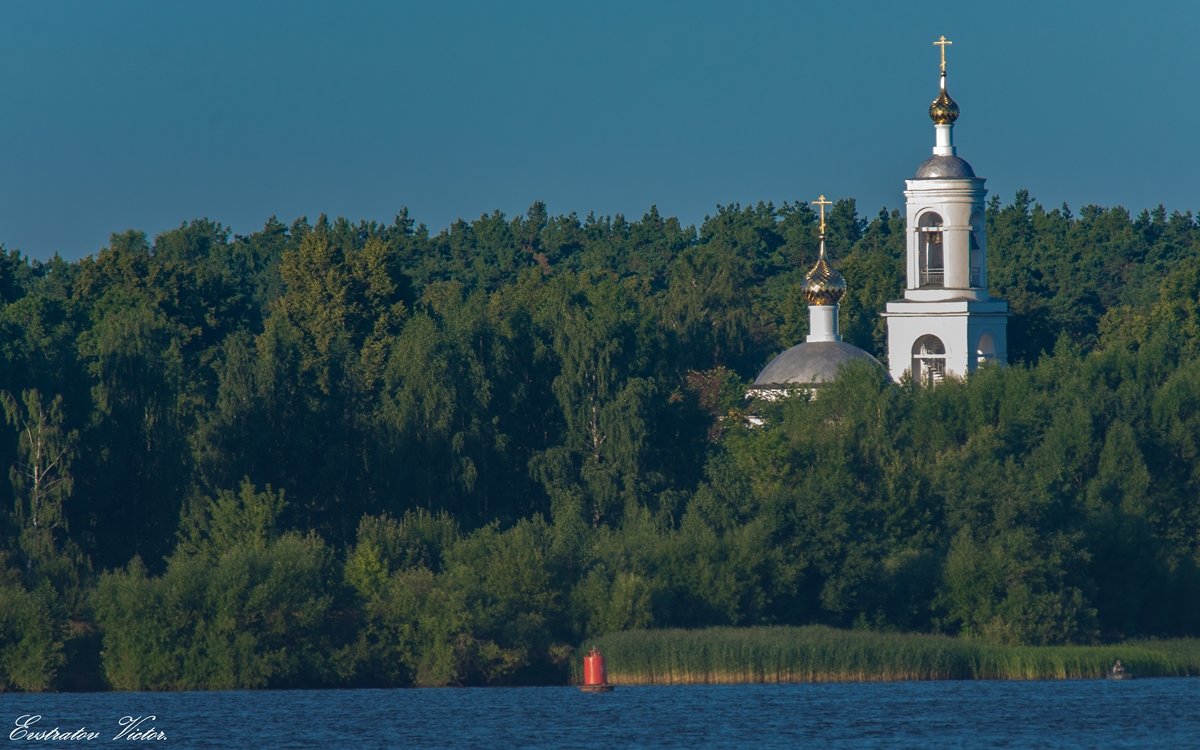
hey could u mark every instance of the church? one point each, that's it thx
(809, 365)
(946, 324)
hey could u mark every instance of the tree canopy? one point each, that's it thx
(337, 453)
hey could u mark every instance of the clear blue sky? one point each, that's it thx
(144, 115)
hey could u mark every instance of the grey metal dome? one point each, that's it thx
(810, 363)
(942, 167)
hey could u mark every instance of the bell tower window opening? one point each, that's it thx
(931, 271)
(977, 249)
(985, 350)
(929, 360)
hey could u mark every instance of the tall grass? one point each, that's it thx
(821, 654)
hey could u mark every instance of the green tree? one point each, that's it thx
(240, 605)
(41, 478)
(31, 635)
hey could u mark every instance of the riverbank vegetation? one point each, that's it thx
(817, 653)
(331, 453)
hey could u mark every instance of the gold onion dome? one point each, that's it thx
(943, 110)
(823, 285)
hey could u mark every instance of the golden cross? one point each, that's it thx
(822, 203)
(942, 42)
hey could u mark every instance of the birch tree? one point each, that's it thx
(41, 476)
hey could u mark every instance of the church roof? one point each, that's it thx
(811, 363)
(942, 167)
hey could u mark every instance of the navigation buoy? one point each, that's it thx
(595, 674)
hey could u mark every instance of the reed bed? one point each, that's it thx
(717, 656)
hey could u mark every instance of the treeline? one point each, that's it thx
(359, 454)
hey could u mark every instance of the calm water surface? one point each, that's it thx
(1138, 713)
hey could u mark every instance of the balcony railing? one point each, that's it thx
(936, 277)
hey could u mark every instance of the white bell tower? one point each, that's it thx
(947, 324)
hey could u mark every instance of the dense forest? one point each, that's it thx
(358, 454)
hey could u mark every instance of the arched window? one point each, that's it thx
(928, 360)
(977, 249)
(932, 270)
(985, 350)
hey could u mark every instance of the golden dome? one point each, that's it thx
(823, 285)
(943, 110)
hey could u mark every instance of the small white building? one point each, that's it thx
(947, 323)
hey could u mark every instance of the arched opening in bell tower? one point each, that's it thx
(985, 350)
(977, 249)
(928, 360)
(932, 270)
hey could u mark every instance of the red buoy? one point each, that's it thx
(595, 674)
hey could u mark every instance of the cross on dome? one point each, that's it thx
(823, 285)
(943, 42)
(943, 110)
(822, 203)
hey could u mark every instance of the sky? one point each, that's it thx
(145, 115)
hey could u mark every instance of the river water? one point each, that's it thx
(1133, 714)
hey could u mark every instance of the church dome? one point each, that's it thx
(943, 110)
(824, 285)
(812, 363)
(943, 167)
